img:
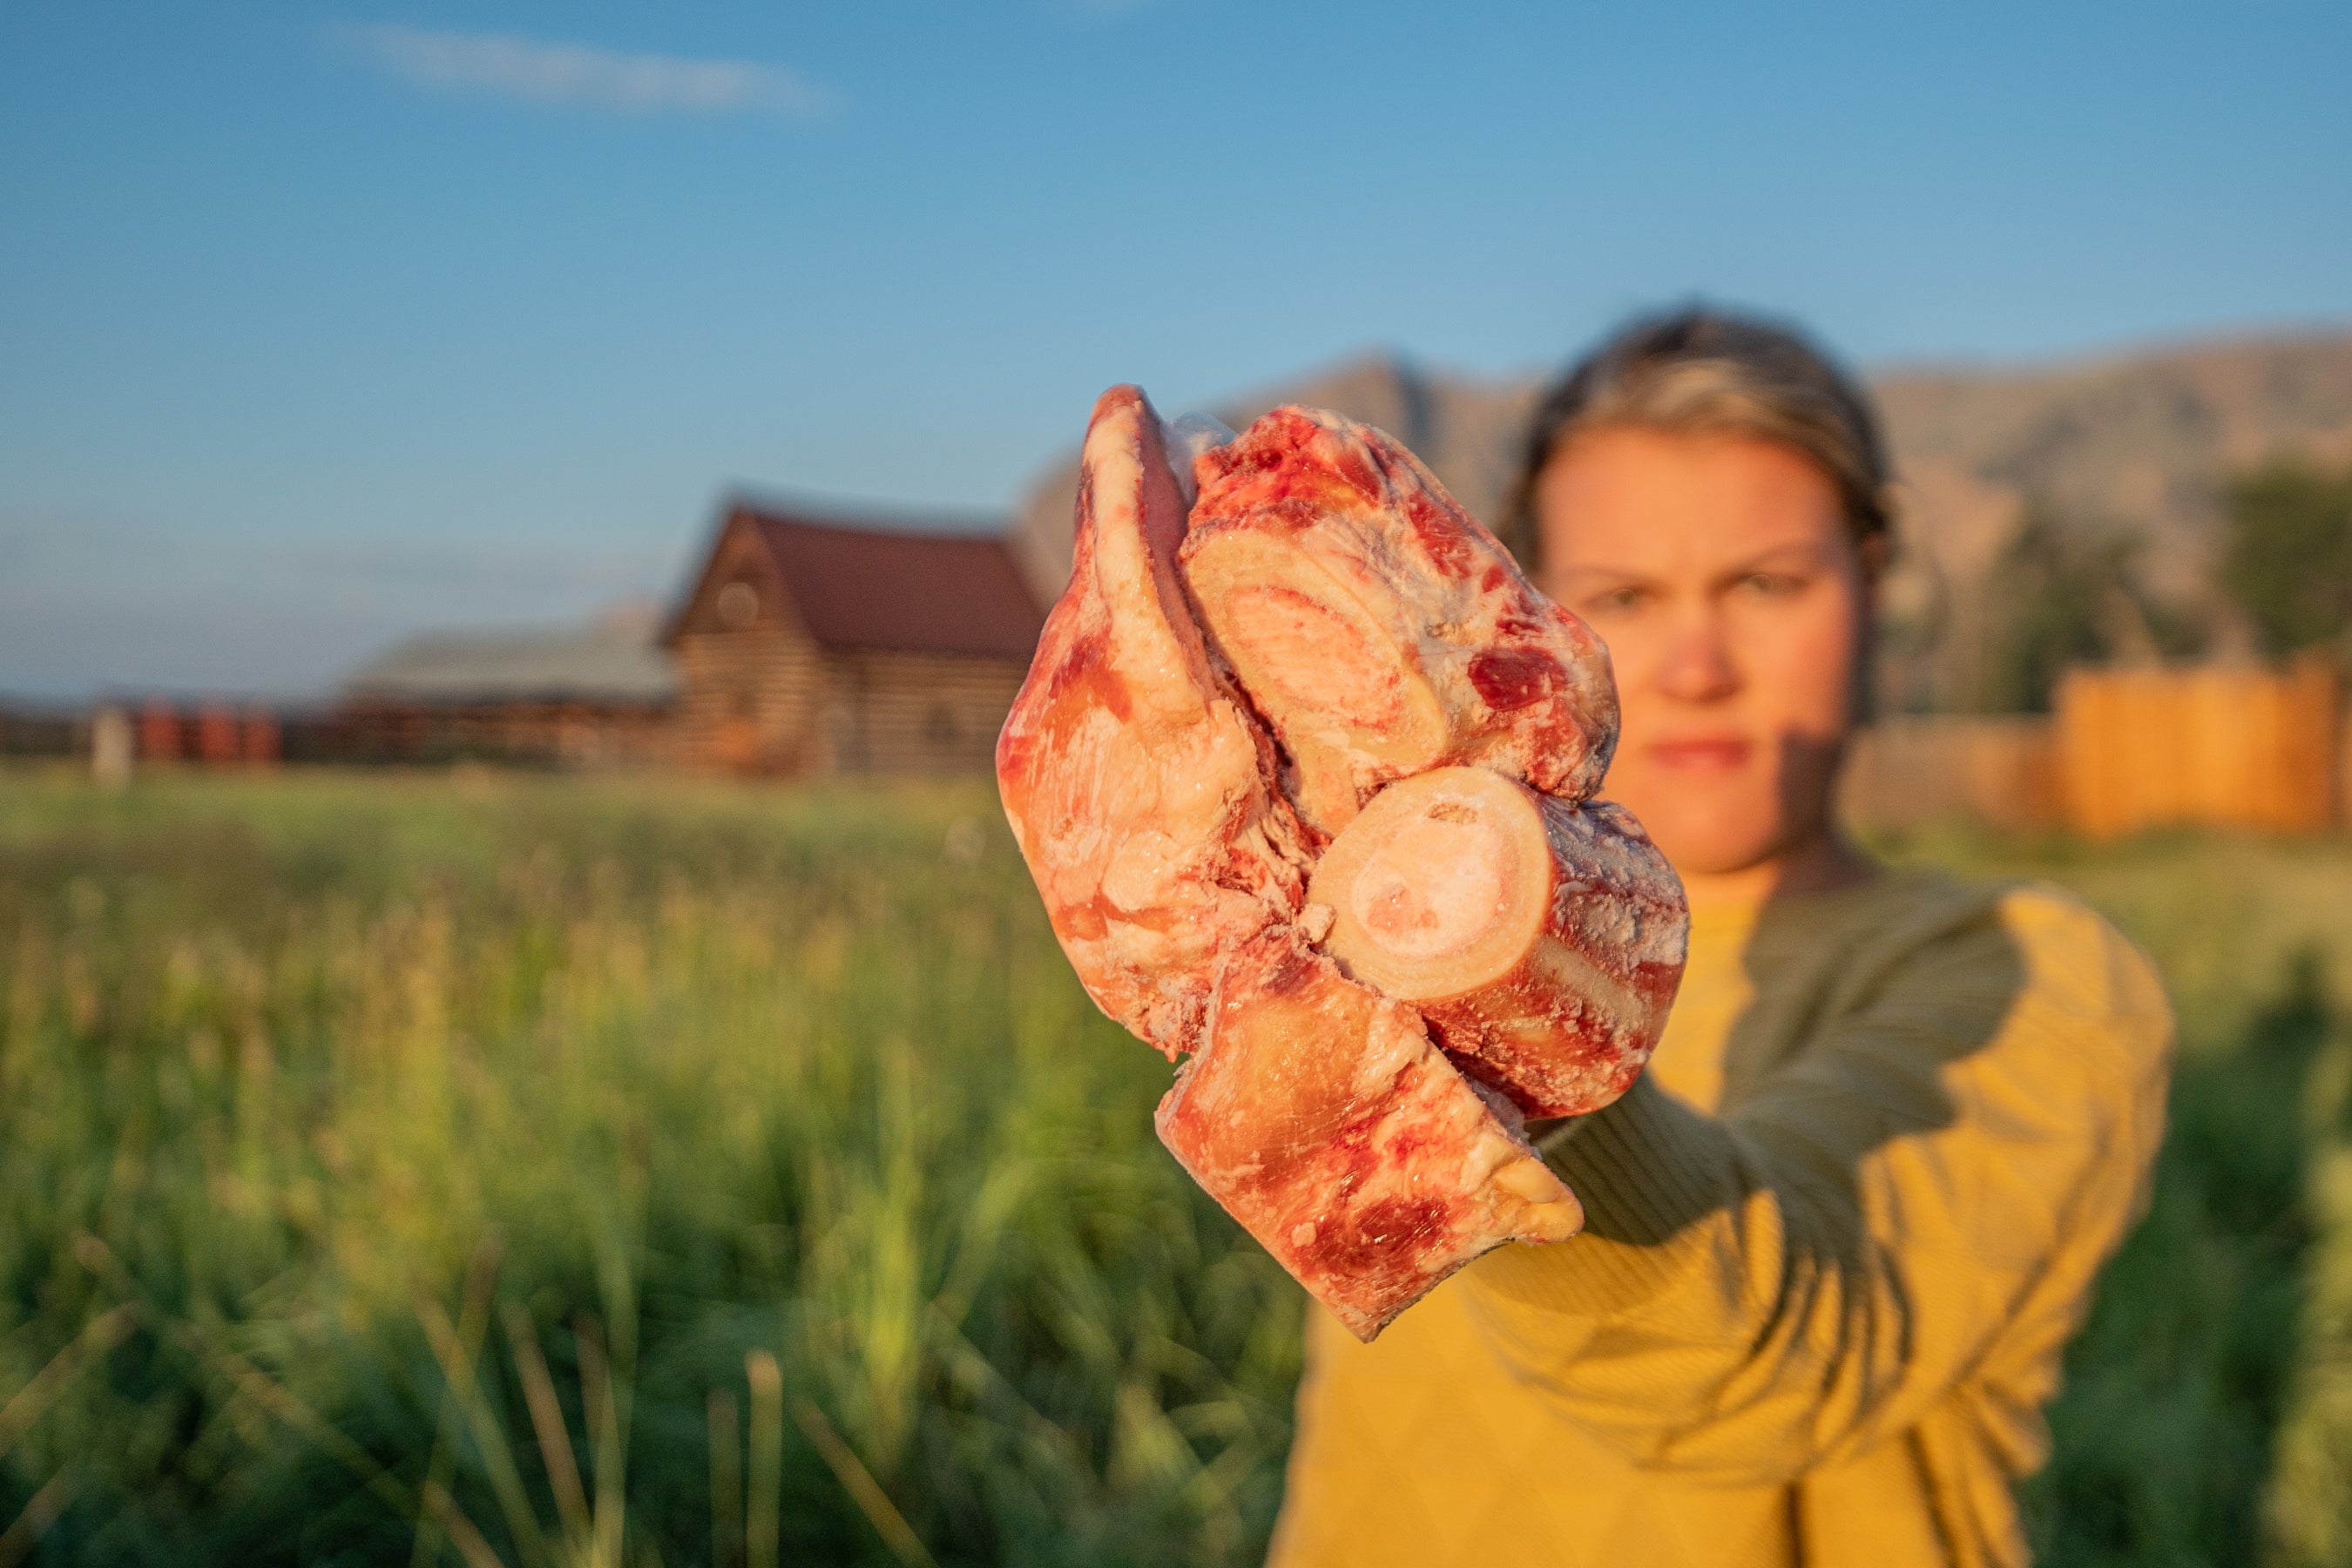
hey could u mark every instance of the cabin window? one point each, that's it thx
(739, 604)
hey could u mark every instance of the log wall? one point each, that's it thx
(916, 713)
(764, 701)
(568, 734)
(749, 701)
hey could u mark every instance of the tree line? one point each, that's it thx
(2066, 590)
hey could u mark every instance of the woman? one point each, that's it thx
(1841, 1232)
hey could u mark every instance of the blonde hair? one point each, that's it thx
(1698, 370)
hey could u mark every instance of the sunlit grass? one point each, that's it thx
(413, 1112)
(470, 1168)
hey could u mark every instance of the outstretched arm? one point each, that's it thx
(1926, 1191)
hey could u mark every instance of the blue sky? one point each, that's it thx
(323, 324)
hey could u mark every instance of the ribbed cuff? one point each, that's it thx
(1648, 1170)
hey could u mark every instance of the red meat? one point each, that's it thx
(1381, 630)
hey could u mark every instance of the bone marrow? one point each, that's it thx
(1541, 940)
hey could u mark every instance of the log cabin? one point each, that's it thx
(810, 646)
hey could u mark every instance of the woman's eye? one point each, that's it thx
(1620, 600)
(1769, 584)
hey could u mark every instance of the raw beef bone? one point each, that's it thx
(1138, 788)
(1143, 794)
(1541, 941)
(1320, 1116)
(1380, 629)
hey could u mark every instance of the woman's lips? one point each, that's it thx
(1720, 754)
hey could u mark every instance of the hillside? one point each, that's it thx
(1467, 431)
(2131, 444)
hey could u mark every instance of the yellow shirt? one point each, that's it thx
(1837, 1240)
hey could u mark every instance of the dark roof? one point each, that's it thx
(918, 591)
(614, 666)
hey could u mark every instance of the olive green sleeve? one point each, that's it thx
(1930, 1185)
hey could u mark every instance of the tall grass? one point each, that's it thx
(2309, 1517)
(428, 1134)
(473, 1169)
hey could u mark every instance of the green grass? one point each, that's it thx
(443, 1168)
(326, 1070)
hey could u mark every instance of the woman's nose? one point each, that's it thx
(1698, 666)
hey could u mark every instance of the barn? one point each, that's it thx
(596, 695)
(809, 645)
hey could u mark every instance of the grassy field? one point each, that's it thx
(472, 1168)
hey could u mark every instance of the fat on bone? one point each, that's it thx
(1323, 1119)
(1139, 789)
(1144, 796)
(1541, 941)
(1187, 437)
(1378, 627)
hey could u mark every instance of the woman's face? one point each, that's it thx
(1721, 573)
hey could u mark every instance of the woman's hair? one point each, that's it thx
(1699, 370)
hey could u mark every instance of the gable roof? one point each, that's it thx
(884, 588)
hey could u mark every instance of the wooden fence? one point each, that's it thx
(1910, 770)
(2127, 749)
(213, 733)
(2220, 745)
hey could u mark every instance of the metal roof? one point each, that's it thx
(931, 592)
(599, 664)
(892, 589)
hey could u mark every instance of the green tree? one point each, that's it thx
(2065, 594)
(2287, 556)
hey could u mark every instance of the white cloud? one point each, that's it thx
(538, 71)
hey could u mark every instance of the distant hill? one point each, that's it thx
(2132, 444)
(1467, 431)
